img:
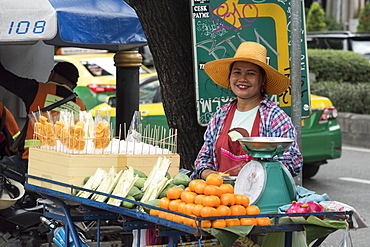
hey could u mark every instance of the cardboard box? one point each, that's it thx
(72, 169)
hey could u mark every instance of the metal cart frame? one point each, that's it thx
(136, 219)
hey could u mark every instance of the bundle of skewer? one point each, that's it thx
(97, 138)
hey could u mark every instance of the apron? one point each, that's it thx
(230, 154)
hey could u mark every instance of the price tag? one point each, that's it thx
(23, 20)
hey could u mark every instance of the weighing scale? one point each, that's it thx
(266, 182)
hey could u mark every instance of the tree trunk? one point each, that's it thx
(167, 26)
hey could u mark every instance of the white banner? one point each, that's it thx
(24, 20)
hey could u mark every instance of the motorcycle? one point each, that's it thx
(19, 216)
(22, 221)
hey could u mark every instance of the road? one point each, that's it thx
(346, 180)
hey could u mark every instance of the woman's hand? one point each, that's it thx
(206, 172)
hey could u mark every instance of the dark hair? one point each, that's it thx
(68, 71)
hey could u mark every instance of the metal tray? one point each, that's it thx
(265, 143)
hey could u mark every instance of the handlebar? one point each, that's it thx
(5, 168)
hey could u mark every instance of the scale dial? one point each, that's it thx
(251, 181)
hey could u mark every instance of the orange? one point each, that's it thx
(189, 208)
(223, 210)
(226, 188)
(232, 222)
(219, 223)
(227, 199)
(198, 199)
(181, 207)
(154, 212)
(263, 221)
(211, 201)
(212, 190)
(203, 224)
(163, 202)
(208, 212)
(237, 210)
(189, 221)
(162, 214)
(214, 179)
(178, 218)
(174, 205)
(199, 188)
(197, 208)
(188, 196)
(242, 200)
(174, 192)
(253, 209)
(248, 221)
(169, 216)
(194, 182)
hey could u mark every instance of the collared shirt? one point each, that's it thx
(274, 123)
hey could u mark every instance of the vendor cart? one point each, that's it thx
(131, 219)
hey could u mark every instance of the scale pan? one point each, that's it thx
(265, 143)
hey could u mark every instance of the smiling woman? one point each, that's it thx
(250, 78)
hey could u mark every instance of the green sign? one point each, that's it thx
(219, 27)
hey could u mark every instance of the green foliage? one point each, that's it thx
(343, 77)
(364, 19)
(332, 24)
(316, 18)
(338, 66)
(346, 97)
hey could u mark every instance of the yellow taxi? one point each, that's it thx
(97, 75)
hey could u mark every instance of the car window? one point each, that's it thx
(361, 46)
(149, 92)
(326, 43)
(99, 66)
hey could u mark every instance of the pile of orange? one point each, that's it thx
(208, 198)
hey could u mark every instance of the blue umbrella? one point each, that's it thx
(99, 24)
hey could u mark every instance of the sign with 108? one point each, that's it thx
(18, 23)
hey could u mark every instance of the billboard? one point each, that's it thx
(219, 26)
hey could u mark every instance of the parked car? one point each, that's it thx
(321, 133)
(97, 76)
(151, 107)
(340, 40)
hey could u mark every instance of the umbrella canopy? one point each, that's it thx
(99, 24)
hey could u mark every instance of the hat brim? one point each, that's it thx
(219, 71)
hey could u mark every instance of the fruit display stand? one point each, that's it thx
(139, 219)
(74, 168)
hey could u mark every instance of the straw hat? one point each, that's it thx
(219, 70)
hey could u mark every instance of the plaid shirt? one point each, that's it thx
(274, 123)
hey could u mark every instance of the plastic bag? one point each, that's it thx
(134, 130)
(346, 240)
(358, 220)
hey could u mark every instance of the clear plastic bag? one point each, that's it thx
(346, 240)
(134, 134)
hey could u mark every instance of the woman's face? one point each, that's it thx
(246, 80)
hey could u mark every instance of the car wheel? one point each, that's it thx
(310, 170)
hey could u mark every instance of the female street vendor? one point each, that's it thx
(251, 114)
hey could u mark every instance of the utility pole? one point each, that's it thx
(295, 73)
